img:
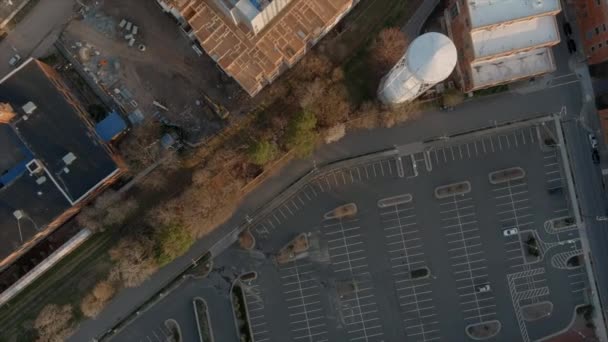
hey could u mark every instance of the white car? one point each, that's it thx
(593, 141)
(509, 232)
(484, 288)
(15, 60)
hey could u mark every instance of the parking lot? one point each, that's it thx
(496, 257)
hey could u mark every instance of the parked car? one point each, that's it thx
(571, 46)
(509, 232)
(595, 155)
(592, 141)
(567, 29)
(483, 288)
(15, 60)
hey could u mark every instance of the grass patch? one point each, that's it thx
(61, 284)
(490, 91)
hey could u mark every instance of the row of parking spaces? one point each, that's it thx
(482, 146)
(357, 305)
(158, 334)
(515, 214)
(578, 282)
(303, 297)
(556, 186)
(391, 167)
(255, 309)
(459, 224)
(410, 272)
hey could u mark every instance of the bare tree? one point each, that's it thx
(94, 302)
(55, 323)
(118, 212)
(312, 66)
(333, 106)
(387, 49)
(134, 261)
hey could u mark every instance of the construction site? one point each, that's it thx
(137, 60)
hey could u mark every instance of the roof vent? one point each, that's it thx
(69, 158)
(33, 166)
(29, 107)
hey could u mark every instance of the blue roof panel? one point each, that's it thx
(110, 127)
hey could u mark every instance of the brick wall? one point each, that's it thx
(592, 17)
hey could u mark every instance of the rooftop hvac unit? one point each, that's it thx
(29, 108)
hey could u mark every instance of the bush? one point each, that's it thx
(262, 152)
(94, 302)
(134, 261)
(171, 242)
(55, 323)
(452, 98)
(301, 133)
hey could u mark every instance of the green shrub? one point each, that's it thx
(172, 241)
(262, 152)
(301, 133)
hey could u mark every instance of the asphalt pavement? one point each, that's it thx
(33, 36)
(482, 112)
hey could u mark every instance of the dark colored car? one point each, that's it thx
(571, 46)
(567, 29)
(595, 155)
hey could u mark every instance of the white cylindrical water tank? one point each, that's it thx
(430, 59)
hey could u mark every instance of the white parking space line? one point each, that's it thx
(406, 255)
(358, 309)
(458, 217)
(302, 295)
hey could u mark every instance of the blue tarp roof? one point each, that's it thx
(111, 126)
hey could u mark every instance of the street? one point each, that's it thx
(36, 32)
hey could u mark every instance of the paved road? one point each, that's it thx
(45, 21)
(36, 32)
(414, 25)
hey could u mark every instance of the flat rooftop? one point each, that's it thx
(255, 60)
(491, 12)
(72, 158)
(539, 31)
(512, 67)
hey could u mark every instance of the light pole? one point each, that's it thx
(21, 214)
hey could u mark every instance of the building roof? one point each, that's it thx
(72, 159)
(512, 67)
(255, 60)
(515, 36)
(110, 127)
(492, 12)
(432, 57)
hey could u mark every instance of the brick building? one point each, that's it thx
(502, 41)
(254, 41)
(592, 18)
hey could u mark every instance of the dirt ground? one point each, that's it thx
(168, 71)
